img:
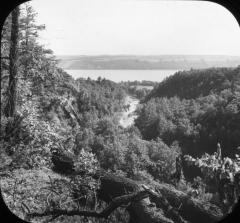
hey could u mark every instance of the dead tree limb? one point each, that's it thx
(191, 209)
(116, 202)
(170, 203)
(160, 204)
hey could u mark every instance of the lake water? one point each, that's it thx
(123, 75)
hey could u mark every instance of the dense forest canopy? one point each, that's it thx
(64, 153)
(198, 108)
(195, 83)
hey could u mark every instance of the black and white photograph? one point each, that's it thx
(120, 111)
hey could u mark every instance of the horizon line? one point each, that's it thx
(226, 55)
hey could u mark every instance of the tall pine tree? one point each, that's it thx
(13, 64)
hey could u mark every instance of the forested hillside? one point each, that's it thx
(64, 157)
(195, 83)
(198, 108)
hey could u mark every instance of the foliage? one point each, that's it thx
(198, 83)
(79, 117)
(197, 124)
(213, 170)
(86, 163)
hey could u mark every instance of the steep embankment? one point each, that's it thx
(196, 108)
(195, 83)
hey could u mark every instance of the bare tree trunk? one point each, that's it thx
(13, 63)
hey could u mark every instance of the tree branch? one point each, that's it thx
(165, 203)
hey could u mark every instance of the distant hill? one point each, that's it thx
(195, 108)
(134, 62)
(195, 83)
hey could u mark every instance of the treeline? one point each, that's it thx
(195, 83)
(196, 108)
(139, 89)
(140, 83)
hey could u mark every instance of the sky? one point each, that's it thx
(137, 27)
